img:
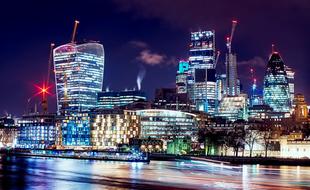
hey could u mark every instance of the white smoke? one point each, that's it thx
(140, 77)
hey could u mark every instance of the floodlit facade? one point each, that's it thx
(37, 131)
(109, 100)
(202, 82)
(300, 109)
(167, 124)
(8, 132)
(294, 148)
(234, 107)
(276, 87)
(112, 127)
(79, 75)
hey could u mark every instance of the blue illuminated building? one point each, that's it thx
(75, 128)
(37, 131)
(78, 75)
(276, 86)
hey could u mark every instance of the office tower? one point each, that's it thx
(300, 108)
(201, 82)
(78, 75)
(168, 98)
(232, 83)
(110, 100)
(290, 77)
(276, 88)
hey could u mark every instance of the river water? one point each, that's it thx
(70, 174)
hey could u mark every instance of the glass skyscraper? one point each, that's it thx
(202, 83)
(276, 87)
(78, 75)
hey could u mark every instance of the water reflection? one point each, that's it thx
(51, 173)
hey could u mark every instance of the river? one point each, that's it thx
(71, 174)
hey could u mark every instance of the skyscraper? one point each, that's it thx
(202, 82)
(232, 82)
(78, 75)
(276, 88)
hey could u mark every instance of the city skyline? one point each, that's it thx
(152, 43)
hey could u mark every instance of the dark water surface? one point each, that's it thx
(69, 174)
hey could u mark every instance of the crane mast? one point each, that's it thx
(46, 83)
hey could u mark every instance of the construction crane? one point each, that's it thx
(76, 22)
(50, 60)
(217, 58)
(229, 39)
(45, 87)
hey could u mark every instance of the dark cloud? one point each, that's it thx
(138, 44)
(150, 58)
(254, 62)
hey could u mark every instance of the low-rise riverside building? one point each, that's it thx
(112, 127)
(37, 131)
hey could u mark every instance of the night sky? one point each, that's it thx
(147, 36)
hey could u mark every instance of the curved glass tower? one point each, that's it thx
(276, 87)
(78, 75)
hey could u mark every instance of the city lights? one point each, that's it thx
(154, 95)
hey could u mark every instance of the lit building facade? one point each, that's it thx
(220, 86)
(37, 131)
(182, 77)
(260, 111)
(75, 129)
(234, 107)
(167, 124)
(112, 127)
(300, 108)
(202, 82)
(109, 100)
(78, 75)
(8, 132)
(276, 88)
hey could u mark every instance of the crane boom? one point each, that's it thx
(76, 22)
(217, 58)
(229, 39)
